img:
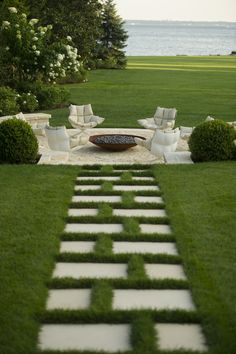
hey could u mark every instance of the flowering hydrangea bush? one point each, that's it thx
(27, 101)
(29, 54)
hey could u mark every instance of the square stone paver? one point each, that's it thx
(93, 337)
(94, 228)
(83, 212)
(87, 187)
(69, 299)
(96, 199)
(153, 213)
(145, 247)
(164, 271)
(155, 229)
(77, 246)
(135, 188)
(96, 178)
(90, 270)
(144, 199)
(152, 299)
(173, 336)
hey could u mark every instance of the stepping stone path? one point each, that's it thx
(81, 263)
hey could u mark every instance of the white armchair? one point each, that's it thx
(82, 117)
(163, 118)
(59, 140)
(161, 142)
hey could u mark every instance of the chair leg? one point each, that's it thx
(80, 138)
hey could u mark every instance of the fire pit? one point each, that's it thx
(114, 142)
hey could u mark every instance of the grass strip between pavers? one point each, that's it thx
(118, 258)
(119, 237)
(117, 316)
(132, 205)
(144, 284)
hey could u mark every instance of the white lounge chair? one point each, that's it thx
(82, 117)
(162, 119)
(59, 140)
(161, 142)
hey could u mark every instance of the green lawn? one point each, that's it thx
(196, 86)
(200, 201)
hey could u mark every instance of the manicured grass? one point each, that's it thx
(33, 214)
(33, 207)
(200, 202)
(196, 86)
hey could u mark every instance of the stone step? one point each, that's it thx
(83, 212)
(87, 187)
(130, 299)
(155, 213)
(85, 337)
(127, 170)
(94, 228)
(96, 199)
(69, 299)
(142, 178)
(164, 271)
(173, 336)
(135, 188)
(144, 199)
(77, 246)
(90, 270)
(155, 229)
(145, 247)
(95, 178)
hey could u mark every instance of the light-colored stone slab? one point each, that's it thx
(93, 337)
(144, 199)
(178, 157)
(155, 229)
(87, 187)
(173, 336)
(96, 199)
(101, 178)
(150, 213)
(69, 299)
(133, 170)
(163, 271)
(145, 247)
(143, 178)
(90, 270)
(83, 212)
(135, 188)
(77, 246)
(94, 228)
(152, 299)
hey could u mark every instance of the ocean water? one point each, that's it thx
(180, 38)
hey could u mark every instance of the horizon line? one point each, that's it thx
(166, 20)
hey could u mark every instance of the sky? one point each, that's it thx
(182, 10)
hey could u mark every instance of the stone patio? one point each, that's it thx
(90, 154)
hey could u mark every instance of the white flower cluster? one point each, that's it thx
(6, 24)
(12, 10)
(33, 21)
(72, 56)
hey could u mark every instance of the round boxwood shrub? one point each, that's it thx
(18, 144)
(212, 141)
